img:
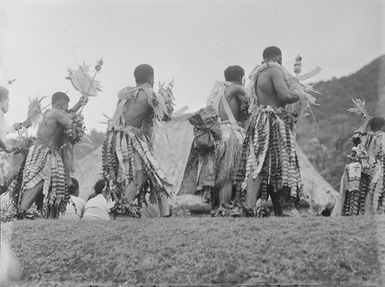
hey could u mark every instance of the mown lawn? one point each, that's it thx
(199, 250)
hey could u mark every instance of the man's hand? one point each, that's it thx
(166, 118)
(69, 181)
(83, 100)
(17, 126)
(27, 124)
(8, 149)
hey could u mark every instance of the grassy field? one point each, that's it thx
(312, 250)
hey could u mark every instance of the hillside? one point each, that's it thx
(327, 147)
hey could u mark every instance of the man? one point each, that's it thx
(269, 165)
(129, 165)
(47, 167)
(224, 118)
(362, 184)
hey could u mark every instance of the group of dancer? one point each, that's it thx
(243, 153)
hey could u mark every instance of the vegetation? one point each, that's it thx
(313, 250)
(327, 147)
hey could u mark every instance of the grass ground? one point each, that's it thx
(312, 250)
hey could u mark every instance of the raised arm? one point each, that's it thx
(281, 88)
(82, 102)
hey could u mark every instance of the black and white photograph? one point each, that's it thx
(192, 143)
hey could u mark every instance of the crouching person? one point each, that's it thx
(98, 207)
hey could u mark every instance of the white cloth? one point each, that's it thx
(4, 129)
(75, 208)
(98, 208)
(4, 166)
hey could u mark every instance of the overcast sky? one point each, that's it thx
(189, 41)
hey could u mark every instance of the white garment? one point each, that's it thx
(4, 166)
(75, 208)
(4, 129)
(98, 208)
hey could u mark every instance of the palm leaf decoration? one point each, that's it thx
(35, 111)
(359, 108)
(83, 81)
(165, 90)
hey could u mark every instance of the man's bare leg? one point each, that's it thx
(225, 193)
(224, 197)
(135, 186)
(164, 207)
(275, 199)
(30, 195)
(252, 193)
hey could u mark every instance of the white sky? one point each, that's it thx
(189, 41)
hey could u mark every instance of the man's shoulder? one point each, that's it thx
(147, 91)
(273, 70)
(236, 89)
(52, 113)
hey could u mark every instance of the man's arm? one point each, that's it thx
(82, 102)
(62, 118)
(281, 88)
(68, 162)
(5, 147)
(240, 95)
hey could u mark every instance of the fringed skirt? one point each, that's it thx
(45, 164)
(362, 193)
(228, 152)
(269, 154)
(125, 152)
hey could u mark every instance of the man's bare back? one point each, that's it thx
(235, 96)
(136, 112)
(272, 90)
(51, 130)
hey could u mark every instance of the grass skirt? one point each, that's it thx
(124, 153)
(213, 168)
(269, 153)
(45, 163)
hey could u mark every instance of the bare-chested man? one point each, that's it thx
(128, 161)
(227, 105)
(47, 167)
(269, 164)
